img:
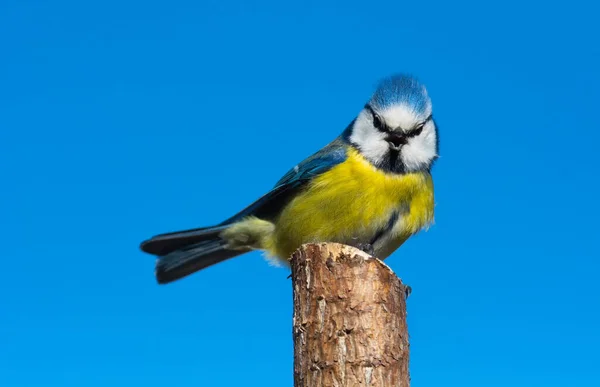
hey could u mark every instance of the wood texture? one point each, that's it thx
(349, 319)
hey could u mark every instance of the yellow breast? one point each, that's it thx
(353, 201)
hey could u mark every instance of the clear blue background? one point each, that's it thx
(119, 120)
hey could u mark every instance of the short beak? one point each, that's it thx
(396, 141)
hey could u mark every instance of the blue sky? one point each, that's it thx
(119, 120)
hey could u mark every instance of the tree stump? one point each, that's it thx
(349, 319)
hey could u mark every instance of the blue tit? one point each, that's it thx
(371, 188)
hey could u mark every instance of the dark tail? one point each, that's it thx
(183, 253)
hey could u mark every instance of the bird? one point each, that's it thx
(371, 188)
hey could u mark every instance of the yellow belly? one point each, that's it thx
(352, 202)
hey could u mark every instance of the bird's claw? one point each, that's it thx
(367, 248)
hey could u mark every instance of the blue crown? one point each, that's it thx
(400, 89)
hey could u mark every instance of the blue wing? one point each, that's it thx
(269, 205)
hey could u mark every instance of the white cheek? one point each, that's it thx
(371, 142)
(421, 150)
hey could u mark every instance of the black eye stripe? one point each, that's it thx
(419, 128)
(377, 123)
(414, 132)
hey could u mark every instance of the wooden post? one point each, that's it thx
(349, 319)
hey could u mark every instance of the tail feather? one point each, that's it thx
(166, 243)
(183, 253)
(181, 263)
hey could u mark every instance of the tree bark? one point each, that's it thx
(349, 319)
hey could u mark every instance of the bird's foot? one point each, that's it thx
(407, 291)
(367, 248)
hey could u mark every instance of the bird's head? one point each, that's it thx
(395, 131)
